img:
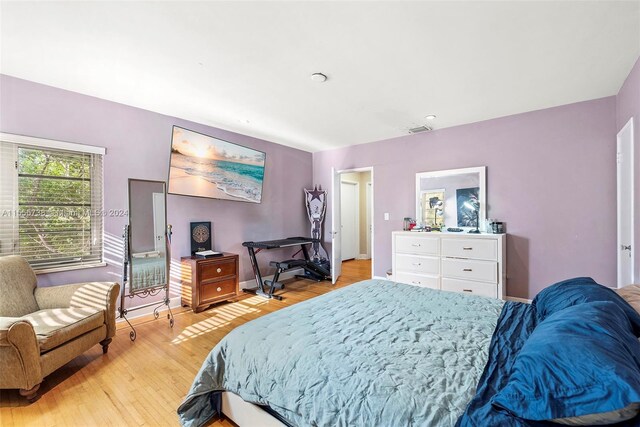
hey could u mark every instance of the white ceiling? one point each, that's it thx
(246, 66)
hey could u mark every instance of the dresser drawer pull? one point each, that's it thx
(467, 249)
(218, 289)
(467, 269)
(417, 245)
(417, 264)
(467, 290)
(416, 282)
(219, 270)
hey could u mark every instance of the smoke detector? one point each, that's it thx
(419, 129)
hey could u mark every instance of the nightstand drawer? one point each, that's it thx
(419, 245)
(432, 282)
(484, 271)
(212, 269)
(475, 288)
(417, 264)
(215, 290)
(470, 248)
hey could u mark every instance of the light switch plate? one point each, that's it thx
(386, 216)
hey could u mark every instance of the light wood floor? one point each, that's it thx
(142, 383)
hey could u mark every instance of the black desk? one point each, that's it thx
(313, 270)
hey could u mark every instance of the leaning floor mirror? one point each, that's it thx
(147, 244)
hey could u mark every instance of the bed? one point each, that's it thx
(379, 353)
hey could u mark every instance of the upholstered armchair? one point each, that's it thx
(42, 329)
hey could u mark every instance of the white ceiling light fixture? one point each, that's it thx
(318, 77)
(430, 117)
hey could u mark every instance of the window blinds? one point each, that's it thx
(51, 205)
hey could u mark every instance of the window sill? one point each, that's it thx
(69, 268)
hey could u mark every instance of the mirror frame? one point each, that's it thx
(482, 192)
(167, 254)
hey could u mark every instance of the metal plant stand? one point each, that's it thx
(146, 291)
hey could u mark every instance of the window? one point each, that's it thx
(51, 202)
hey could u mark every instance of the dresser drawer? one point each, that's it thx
(467, 287)
(470, 248)
(419, 245)
(432, 282)
(216, 269)
(485, 271)
(215, 290)
(417, 264)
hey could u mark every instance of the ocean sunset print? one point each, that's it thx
(204, 166)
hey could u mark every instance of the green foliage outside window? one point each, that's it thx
(54, 205)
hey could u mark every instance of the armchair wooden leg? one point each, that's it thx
(32, 394)
(105, 345)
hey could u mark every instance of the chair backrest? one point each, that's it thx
(17, 283)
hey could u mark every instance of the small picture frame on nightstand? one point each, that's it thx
(200, 236)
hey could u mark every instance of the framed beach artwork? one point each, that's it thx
(204, 166)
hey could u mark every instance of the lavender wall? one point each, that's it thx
(550, 177)
(138, 145)
(627, 106)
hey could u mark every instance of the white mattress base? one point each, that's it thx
(246, 414)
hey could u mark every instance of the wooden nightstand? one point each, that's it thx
(206, 281)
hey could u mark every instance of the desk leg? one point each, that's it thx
(305, 252)
(259, 290)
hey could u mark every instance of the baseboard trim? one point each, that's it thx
(249, 284)
(363, 256)
(379, 278)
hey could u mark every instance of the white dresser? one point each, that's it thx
(458, 262)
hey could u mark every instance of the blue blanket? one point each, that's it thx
(516, 324)
(375, 353)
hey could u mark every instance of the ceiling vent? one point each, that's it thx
(420, 129)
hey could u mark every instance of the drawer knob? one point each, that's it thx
(467, 269)
(417, 264)
(416, 282)
(219, 270)
(416, 245)
(467, 249)
(467, 290)
(218, 289)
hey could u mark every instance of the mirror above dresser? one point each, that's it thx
(454, 198)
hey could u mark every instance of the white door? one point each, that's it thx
(625, 205)
(336, 256)
(159, 226)
(369, 225)
(349, 198)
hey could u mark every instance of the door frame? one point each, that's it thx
(357, 209)
(333, 201)
(368, 194)
(628, 126)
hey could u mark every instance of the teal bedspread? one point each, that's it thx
(375, 353)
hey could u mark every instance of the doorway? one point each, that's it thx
(350, 218)
(352, 213)
(625, 195)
